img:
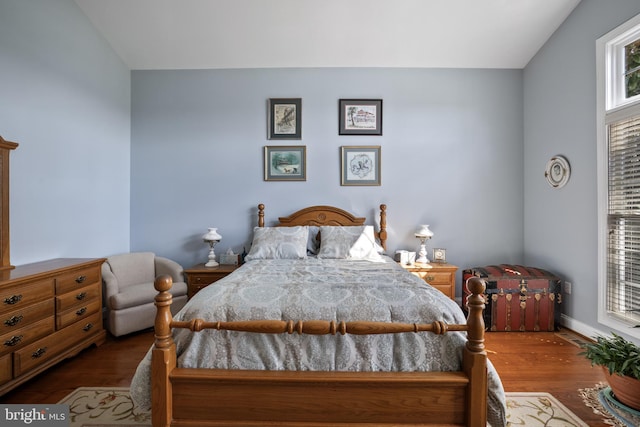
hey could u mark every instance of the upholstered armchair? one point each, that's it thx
(128, 290)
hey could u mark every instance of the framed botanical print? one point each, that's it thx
(360, 165)
(285, 163)
(285, 118)
(360, 117)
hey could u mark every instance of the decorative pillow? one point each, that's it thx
(279, 243)
(356, 242)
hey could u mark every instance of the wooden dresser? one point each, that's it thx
(441, 276)
(49, 311)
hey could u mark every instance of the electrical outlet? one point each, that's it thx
(567, 287)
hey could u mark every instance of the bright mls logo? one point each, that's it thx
(34, 415)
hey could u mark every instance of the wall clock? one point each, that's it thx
(557, 171)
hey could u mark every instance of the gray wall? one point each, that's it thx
(560, 225)
(451, 156)
(65, 98)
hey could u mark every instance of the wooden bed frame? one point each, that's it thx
(213, 397)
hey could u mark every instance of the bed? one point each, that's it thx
(319, 339)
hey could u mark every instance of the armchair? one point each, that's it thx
(129, 293)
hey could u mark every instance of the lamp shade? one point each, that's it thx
(212, 235)
(423, 231)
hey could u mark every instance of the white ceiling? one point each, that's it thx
(193, 34)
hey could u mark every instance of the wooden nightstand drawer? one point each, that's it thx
(205, 279)
(434, 278)
(199, 276)
(440, 276)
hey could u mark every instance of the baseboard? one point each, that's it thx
(579, 327)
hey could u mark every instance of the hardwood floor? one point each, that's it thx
(539, 361)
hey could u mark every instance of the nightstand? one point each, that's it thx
(440, 276)
(199, 276)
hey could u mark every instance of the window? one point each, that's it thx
(618, 57)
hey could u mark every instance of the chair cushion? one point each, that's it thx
(133, 268)
(141, 294)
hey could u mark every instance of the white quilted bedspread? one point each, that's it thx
(321, 289)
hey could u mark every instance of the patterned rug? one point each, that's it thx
(104, 407)
(603, 402)
(112, 407)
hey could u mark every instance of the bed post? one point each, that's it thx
(260, 215)
(383, 226)
(163, 358)
(474, 360)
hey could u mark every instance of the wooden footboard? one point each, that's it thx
(213, 397)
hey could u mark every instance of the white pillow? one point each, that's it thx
(279, 243)
(350, 242)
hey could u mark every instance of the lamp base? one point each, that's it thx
(422, 255)
(212, 256)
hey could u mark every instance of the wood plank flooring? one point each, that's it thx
(539, 361)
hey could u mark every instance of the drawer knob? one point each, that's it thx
(14, 299)
(39, 352)
(81, 296)
(429, 278)
(13, 320)
(82, 311)
(14, 340)
(81, 279)
(88, 327)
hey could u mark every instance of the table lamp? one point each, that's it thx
(212, 237)
(423, 234)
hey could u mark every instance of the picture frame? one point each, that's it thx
(440, 255)
(285, 163)
(284, 119)
(360, 165)
(360, 117)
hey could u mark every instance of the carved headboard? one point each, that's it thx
(328, 215)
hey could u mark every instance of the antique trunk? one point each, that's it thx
(518, 298)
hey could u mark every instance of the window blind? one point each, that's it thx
(623, 263)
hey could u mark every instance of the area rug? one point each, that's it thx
(603, 402)
(539, 409)
(104, 407)
(112, 407)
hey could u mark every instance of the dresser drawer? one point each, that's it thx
(72, 315)
(435, 278)
(26, 335)
(77, 279)
(15, 297)
(6, 367)
(445, 289)
(441, 276)
(55, 344)
(17, 319)
(78, 297)
(206, 279)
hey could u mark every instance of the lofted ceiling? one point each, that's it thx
(200, 34)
